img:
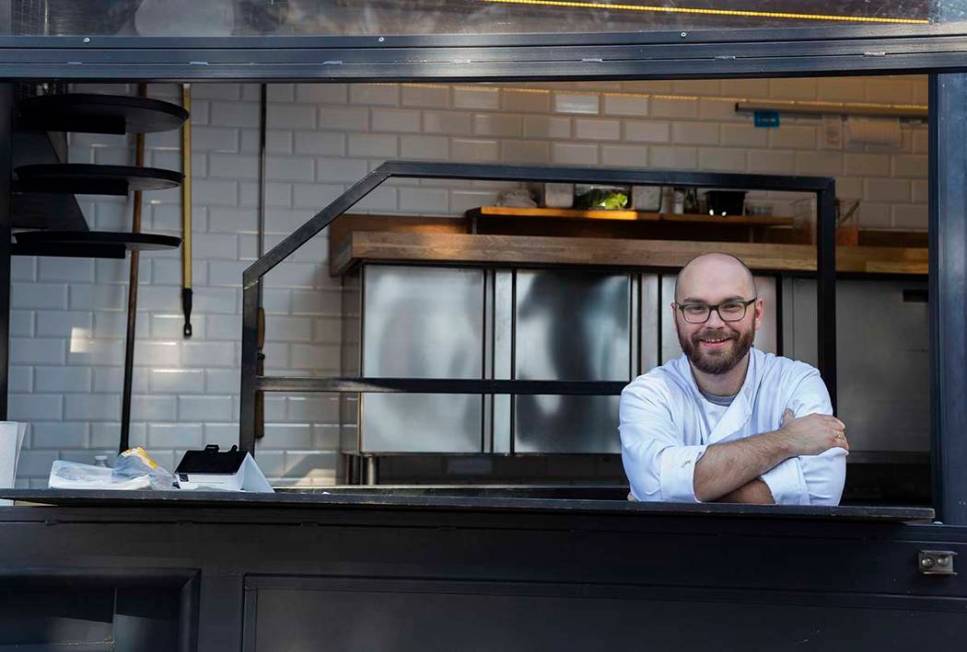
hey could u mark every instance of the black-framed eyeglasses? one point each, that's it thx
(731, 310)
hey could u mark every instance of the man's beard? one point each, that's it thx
(716, 361)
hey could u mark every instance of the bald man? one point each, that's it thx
(726, 422)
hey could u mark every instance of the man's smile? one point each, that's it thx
(713, 342)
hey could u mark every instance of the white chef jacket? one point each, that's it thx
(666, 424)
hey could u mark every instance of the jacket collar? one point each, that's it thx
(739, 412)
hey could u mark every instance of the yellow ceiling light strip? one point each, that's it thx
(715, 12)
(681, 98)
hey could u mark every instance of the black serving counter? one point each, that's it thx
(446, 568)
(506, 499)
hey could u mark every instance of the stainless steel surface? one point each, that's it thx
(635, 326)
(422, 322)
(488, 360)
(765, 338)
(882, 361)
(650, 310)
(570, 325)
(350, 359)
(372, 470)
(420, 423)
(503, 345)
(566, 424)
(437, 322)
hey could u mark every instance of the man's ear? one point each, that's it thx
(760, 312)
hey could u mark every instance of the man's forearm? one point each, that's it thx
(755, 492)
(726, 467)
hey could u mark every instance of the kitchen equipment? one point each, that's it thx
(558, 195)
(601, 197)
(646, 198)
(725, 202)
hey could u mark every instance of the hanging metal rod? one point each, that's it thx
(133, 280)
(904, 112)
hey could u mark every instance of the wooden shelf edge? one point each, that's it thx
(626, 215)
(598, 252)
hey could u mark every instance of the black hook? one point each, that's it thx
(186, 309)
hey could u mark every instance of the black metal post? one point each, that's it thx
(948, 294)
(250, 360)
(251, 280)
(6, 124)
(826, 286)
(263, 162)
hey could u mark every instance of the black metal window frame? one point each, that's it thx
(251, 383)
(661, 54)
(940, 50)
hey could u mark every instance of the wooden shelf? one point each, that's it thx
(478, 249)
(625, 215)
(729, 220)
(562, 213)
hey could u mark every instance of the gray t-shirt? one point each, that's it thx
(717, 399)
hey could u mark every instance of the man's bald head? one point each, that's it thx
(716, 346)
(714, 277)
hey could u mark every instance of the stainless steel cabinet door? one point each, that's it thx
(882, 359)
(570, 326)
(422, 322)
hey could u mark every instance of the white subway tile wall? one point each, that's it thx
(68, 320)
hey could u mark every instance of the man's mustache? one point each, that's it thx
(715, 334)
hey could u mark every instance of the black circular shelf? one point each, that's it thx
(101, 114)
(94, 240)
(87, 179)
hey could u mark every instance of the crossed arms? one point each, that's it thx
(802, 462)
(730, 472)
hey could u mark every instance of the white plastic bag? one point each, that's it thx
(133, 469)
(74, 475)
(136, 463)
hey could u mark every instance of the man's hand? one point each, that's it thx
(813, 434)
(730, 466)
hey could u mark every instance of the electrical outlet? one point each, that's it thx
(832, 134)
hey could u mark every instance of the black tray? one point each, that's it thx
(88, 179)
(102, 114)
(88, 244)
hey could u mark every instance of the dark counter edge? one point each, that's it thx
(357, 498)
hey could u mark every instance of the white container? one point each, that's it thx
(646, 198)
(558, 195)
(11, 439)
(678, 203)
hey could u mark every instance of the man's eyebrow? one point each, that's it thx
(737, 297)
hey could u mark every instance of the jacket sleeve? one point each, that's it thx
(809, 479)
(659, 467)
